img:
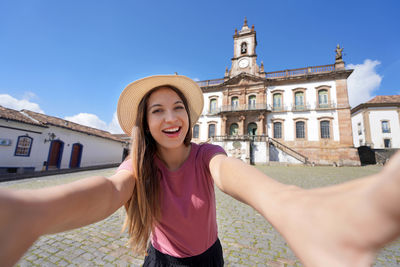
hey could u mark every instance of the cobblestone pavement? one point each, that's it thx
(247, 239)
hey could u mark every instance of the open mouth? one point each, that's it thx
(172, 131)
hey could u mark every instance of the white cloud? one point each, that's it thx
(363, 81)
(196, 79)
(92, 120)
(113, 126)
(18, 104)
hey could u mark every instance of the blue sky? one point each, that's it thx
(66, 58)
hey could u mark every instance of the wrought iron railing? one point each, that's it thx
(256, 106)
(246, 137)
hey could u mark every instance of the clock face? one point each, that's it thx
(243, 63)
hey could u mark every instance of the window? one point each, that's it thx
(196, 130)
(278, 130)
(24, 145)
(234, 129)
(213, 105)
(325, 131)
(252, 102)
(299, 100)
(359, 128)
(277, 101)
(300, 131)
(385, 127)
(211, 130)
(323, 98)
(235, 102)
(387, 143)
(243, 48)
(361, 142)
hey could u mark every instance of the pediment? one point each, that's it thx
(244, 79)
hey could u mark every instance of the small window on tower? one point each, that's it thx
(243, 48)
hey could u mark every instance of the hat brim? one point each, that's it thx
(132, 95)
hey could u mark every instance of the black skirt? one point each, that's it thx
(212, 257)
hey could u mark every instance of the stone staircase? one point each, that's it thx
(288, 150)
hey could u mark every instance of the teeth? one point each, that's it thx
(171, 130)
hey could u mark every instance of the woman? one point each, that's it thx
(167, 189)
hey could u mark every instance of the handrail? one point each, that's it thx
(293, 152)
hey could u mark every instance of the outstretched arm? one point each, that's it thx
(27, 214)
(340, 225)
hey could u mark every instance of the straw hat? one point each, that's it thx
(132, 95)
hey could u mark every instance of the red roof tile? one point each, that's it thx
(385, 99)
(49, 120)
(15, 115)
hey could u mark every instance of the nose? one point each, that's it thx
(170, 116)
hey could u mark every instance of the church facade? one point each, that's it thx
(295, 115)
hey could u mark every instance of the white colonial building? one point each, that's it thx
(376, 123)
(295, 115)
(31, 141)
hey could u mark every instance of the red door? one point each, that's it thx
(75, 156)
(55, 154)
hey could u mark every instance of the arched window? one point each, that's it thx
(211, 130)
(213, 106)
(252, 102)
(243, 48)
(300, 129)
(24, 145)
(277, 98)
(323, 98)
(299, 100)
(325, 131)
(252, 128)
(234, 129)
(196, 130)
(278, 129)
(235, 102)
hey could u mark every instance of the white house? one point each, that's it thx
(31, 141)
(376, 123)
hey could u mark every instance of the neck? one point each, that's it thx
(174, 157)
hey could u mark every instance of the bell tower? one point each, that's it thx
(244, 52)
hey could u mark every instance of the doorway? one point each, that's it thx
(76, 155)
(252, 128)
(55, 155)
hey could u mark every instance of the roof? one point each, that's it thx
(50, 120)
(379, 101)
(385, 99)
(15, 115)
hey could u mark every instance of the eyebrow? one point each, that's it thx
(159, 105)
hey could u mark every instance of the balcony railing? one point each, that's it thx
(299, 72)
(210, 82)
(257, 106)
(325, 105)
(246, 137)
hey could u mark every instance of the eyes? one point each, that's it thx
(160, 110)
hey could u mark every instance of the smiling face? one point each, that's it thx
(167, 118)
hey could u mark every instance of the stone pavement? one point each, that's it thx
(247, 239)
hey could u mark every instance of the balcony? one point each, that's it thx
(319, 106)
(247, 107)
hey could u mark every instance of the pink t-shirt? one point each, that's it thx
(188, 224)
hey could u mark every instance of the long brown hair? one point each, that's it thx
(143, 209)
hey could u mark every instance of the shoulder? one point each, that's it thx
(207, 151)
(126, 165)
